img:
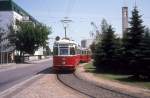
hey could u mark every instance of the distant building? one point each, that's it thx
(124, 19)
(10, 13)
(86, 43)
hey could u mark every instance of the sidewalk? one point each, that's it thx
(126, 89)
(9, 66)
(41, 86)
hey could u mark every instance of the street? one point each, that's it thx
(11, 77)
(37, 80)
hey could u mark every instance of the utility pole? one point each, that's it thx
(135, 3)
(65, 23)
(65, 32)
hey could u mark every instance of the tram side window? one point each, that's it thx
(78, 51)
(72, 51)
(83, 52)
(86, 52)
(55, 51)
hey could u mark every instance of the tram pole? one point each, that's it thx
(65, 32)
(66, 22)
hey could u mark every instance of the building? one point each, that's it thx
(86, 43)
(10, 13)
(124, 19)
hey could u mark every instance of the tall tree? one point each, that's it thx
(146, 43)
(144, 68)
(48, 51)
(97, 42)
(104, 26)
(29, 37)
(133, 40)
(106, 49)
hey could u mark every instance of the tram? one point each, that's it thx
(85, 55)
(66, 54)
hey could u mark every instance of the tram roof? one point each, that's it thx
(65, 41)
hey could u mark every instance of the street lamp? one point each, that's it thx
(65, 23)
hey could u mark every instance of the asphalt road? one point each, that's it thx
(11, 77)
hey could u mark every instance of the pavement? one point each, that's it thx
(42, 85)
(45, 85)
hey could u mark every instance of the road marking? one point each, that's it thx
(11, 91)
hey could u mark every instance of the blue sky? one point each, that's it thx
(82, 12)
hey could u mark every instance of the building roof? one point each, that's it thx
(10, 5)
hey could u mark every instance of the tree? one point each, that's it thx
(146, 43)
(48, 51)
(144, 68)
(96, 47)
(29, 37)
(104, 26)
(93, 47)
(105, 53)
(133, 41)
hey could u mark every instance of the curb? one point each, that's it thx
(80, 72)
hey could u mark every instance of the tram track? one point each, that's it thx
(89, 89)
(58, 77)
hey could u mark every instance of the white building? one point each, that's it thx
(86, 43)
(10, 12)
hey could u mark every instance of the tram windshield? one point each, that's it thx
(72, 51)
(63, 51)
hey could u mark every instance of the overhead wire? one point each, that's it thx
(70, 6)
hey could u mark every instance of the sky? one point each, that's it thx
(82, 13)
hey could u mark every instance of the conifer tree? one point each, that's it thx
(133, 40)
(145, 51)
(146, 44)
(106, 49)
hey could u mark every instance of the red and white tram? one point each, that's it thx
(66, 54)
(85, 55)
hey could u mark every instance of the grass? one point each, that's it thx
(121, 78)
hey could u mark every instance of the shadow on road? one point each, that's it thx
(51, 71)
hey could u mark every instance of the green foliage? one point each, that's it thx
(131, 54)
(48, 50)
(29, 37)
(144, 63)
(146, 44)
(92, 47)
(133, 42)
(106, 52)
(104, 26)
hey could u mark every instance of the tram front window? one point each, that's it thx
(63, 51)
(72, 51)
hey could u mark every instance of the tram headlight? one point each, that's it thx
(63, 58)
(63, 62)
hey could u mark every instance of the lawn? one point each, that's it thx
(121, 78)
